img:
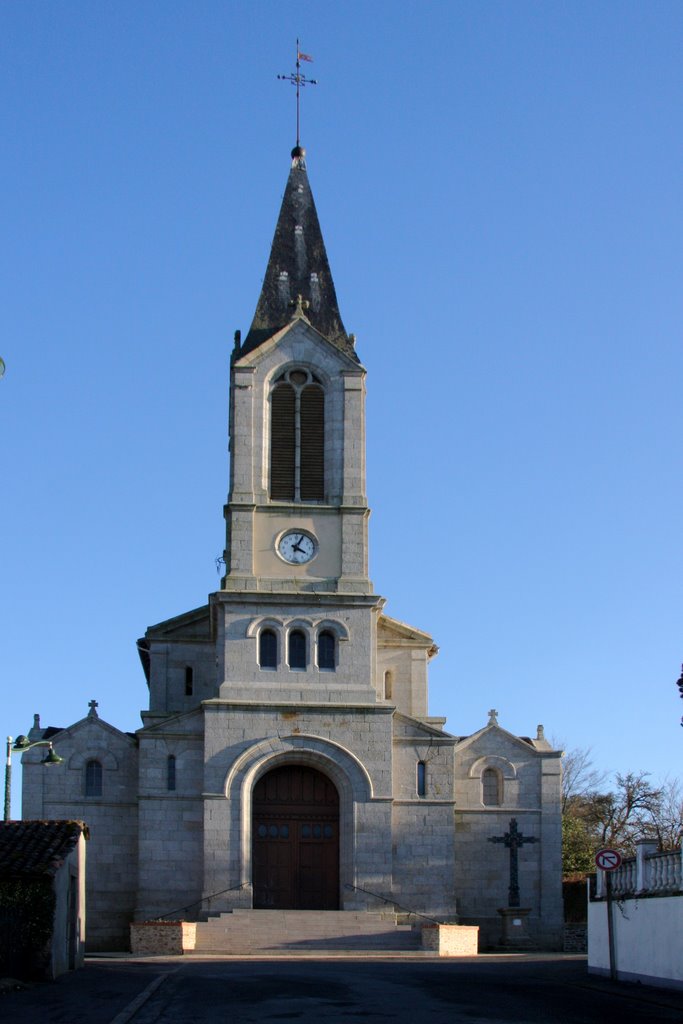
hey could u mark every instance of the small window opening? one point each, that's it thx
(267, 649)
(170, 772)
(326, 650)
(491, 787)
(421, 778)
(93, 778)
(189, 680)
(388, 685)
(296, 650)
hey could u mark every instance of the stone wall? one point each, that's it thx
(112, 819)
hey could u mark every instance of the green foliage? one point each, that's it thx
(27, 908)
(578, 846)
(594, 816)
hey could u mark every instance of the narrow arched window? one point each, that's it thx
(421, 778)
(296, 649)
(297, 438)
(388, 685)
(170, 772)
(282, 442)
(93, 778)
(267, 648)
(326, 650)
(312, 441)
(491, 788)
(189, 681)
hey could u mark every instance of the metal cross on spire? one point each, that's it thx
(299, 81)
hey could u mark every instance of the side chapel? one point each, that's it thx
(288, 758)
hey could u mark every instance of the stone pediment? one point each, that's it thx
(192, 625)
(189, 723)
(392, 633)
(495, 737)
(298, 330)
(406, 727)
(91, 724)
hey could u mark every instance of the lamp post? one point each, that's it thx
(22, 744)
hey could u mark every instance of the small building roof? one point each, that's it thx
(37, 847)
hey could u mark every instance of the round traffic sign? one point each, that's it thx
(608, 859)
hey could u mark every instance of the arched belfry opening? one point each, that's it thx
(295, 837)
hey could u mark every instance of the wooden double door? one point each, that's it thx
(295, 834)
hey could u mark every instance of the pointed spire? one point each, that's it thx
(298, 274)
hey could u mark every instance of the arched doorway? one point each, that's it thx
(295, 835)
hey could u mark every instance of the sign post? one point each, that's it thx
(608, 861)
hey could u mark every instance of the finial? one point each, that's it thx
(299, 81)
(36, 721)
(237, 340)
(93, 705)
(299, 157)
(493, 717)
(540, 735)
(301, 304)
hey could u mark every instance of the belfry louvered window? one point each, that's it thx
(297, 438)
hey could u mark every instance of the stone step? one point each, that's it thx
(304, 931)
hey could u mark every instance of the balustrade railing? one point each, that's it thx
(650, 871)
(664, 870)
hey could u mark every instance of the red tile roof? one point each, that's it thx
(37, 847)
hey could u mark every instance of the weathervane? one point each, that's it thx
(299, 81)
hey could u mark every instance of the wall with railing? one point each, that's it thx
(647, 918)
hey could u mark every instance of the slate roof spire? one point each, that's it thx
(298, 273)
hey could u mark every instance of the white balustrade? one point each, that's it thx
(648, 871)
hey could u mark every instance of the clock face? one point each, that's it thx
(296, 547)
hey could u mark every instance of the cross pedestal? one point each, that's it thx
(514, 933)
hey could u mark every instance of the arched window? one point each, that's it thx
(189, 681)
(170, 772)
(267, 648)
(491, 788)
(296, 649)
(388, 685)
(297, 438)
(421, 778)
(93, 778)
(327, 650)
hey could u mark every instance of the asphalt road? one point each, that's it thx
(489, 990)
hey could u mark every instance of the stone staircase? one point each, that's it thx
(305, 932)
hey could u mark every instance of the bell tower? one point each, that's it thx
(297, 515)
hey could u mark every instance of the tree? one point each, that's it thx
(579, 776)
(627, 813)
(632, 809)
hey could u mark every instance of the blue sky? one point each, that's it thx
(499, 187)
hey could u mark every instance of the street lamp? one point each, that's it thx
(22, 744)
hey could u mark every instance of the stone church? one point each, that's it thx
(288, 758)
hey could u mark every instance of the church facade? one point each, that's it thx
(287, 758)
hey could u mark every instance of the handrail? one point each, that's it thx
(196, 903)
(406, 910)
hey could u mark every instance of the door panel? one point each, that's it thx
(295, 840)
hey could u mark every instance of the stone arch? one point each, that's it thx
(351, 779)
(105, 757)
(339, 629)
(501, 764)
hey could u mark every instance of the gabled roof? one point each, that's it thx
(298, 266)
(391, 632)
(37, 847)
(523, 742)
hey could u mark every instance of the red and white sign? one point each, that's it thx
(608, 859)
